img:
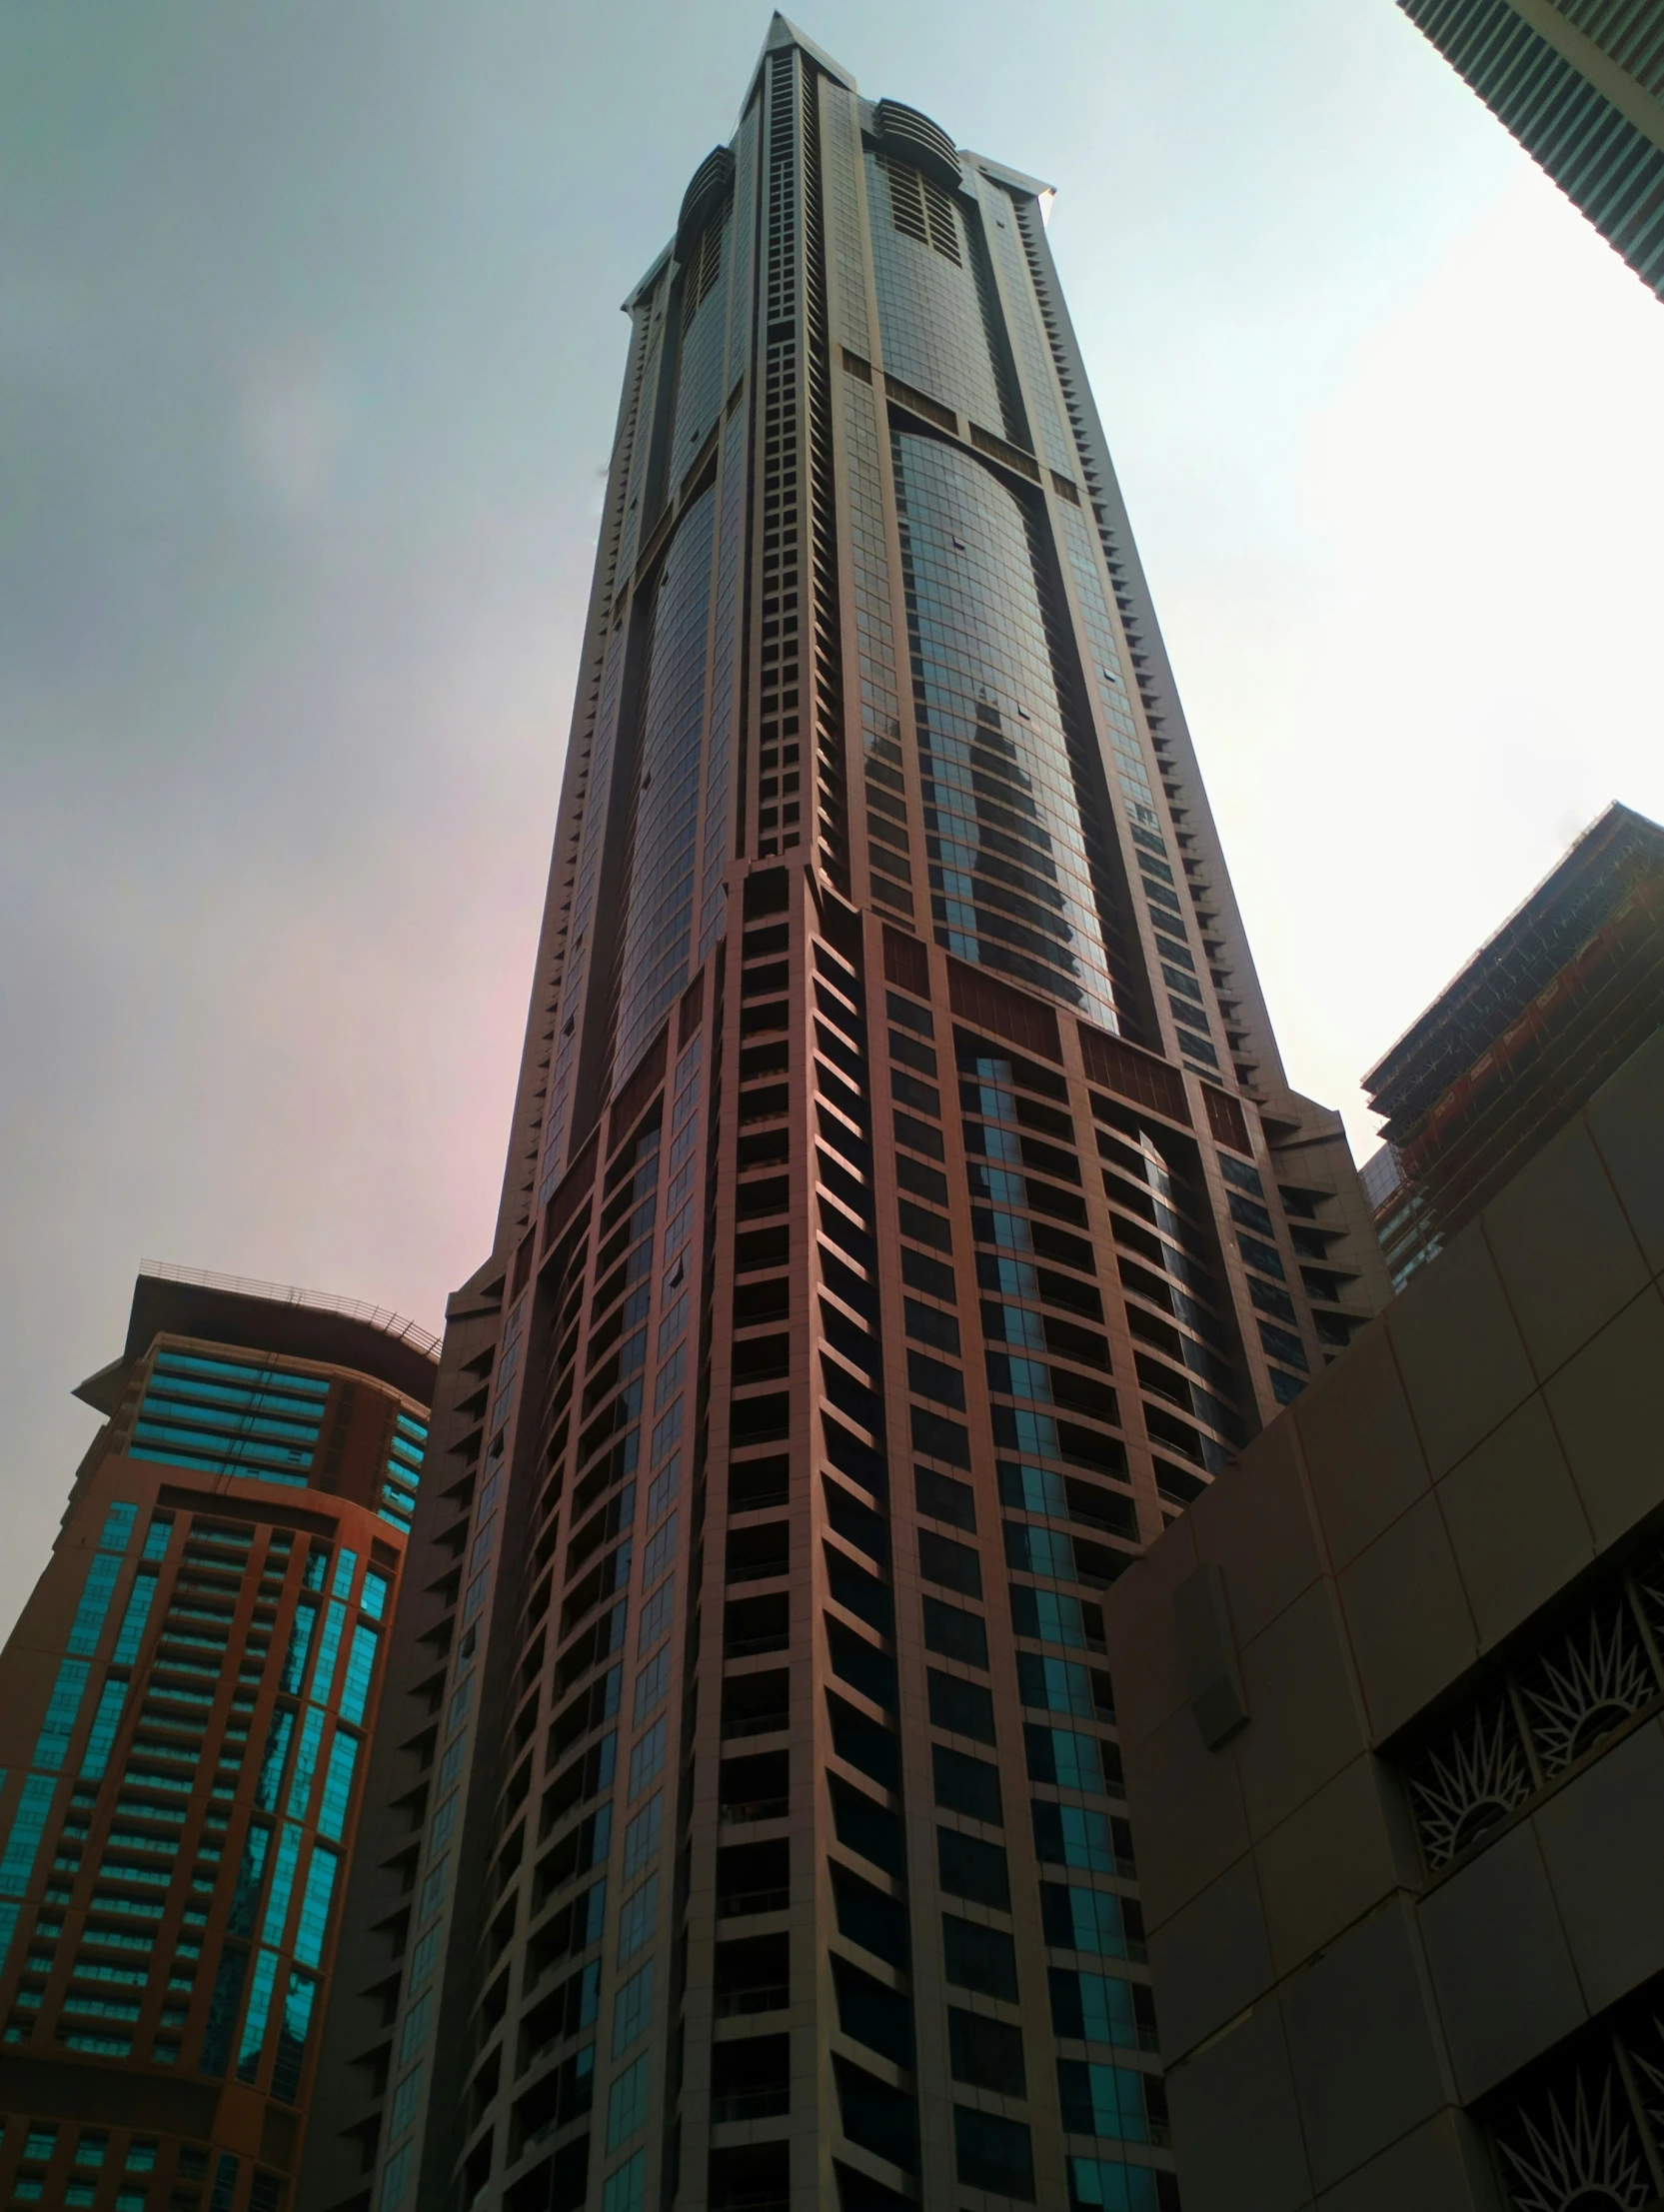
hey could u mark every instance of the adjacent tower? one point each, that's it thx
(905, 1215)
(1580, 83)
(184, 1705)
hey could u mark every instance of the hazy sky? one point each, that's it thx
(309, 348)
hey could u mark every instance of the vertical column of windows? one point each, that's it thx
(630, 1380)
(1060, 1475)
(1196, 1404)
(99, 2007)
(699, 361)
(595, 768)
(890, 842)
(752, 1872)
(32, 1813)
(784, 595)
(1021, 318)
(719, 827)
(726, 672)
(402, 1473)
(868, 1865)
(1158, 882)
(330, 1649)
(832, 767)
(657, 926)
(840, 115)
(1276, 1315)
(967, 1850)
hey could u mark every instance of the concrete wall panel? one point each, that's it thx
(1501, 1965)
(1363, 2044)
(1255, 1523)
(1441, 2167)
(1623, 1119)
(1408, 1619)
(1330, 1863)
(1192, 1824)
(1515, 1521)
(1236, 2128)
(1608, 1406)
(1144, 1641)
(1459, 1350)
(1600, 1839)
(1567, 1257)
(1212, 1959)
(1363, 1457)
(1306, 1722)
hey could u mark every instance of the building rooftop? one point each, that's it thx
(170, 1300)
(1523, 959)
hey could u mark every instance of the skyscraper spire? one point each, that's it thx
(905, 1214)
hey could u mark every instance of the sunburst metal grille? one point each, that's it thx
(1467, 1779)
(1587, 1673)
(1572, 2141)
(1587, 1683)
(1643, 2039)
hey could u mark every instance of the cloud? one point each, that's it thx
(293, 419)
(1453, 674)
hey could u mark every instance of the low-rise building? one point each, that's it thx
(1391, 1706)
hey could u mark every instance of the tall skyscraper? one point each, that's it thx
(905, 1215)
(1580, 83)
(1521, 1040)
(182, 1707)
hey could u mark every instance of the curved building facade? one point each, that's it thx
(905, 1215)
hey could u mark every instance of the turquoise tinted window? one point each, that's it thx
(1057, 1686)
(315, 1907)
(306, 1763)
(623, 2191)
(118, 1527)
(1085, 1920)
(338, 1786)
(156, 1538)
(62, 1709)
(361, 1665)
(300, 1385)
(292, 2034)
(17, 1862)
(246, 1895)
(300, 1639)
(96, 1593)
(1063, 1756)
(372, 1597)
(1103, 2185)
(254, 2020)
(102, 1735)
(329, 1645)
(131, 1634)
(271, 1765)
(346, 1567)
(222, 2011)
(1102, 2100)
(283, 1882)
